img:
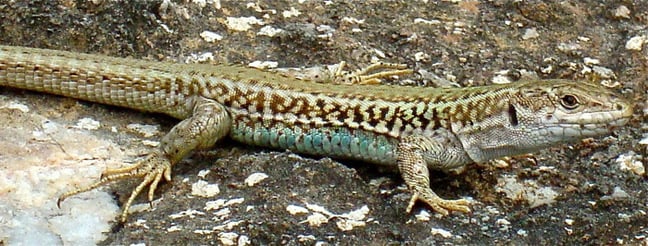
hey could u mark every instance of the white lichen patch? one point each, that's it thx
(228, 225)
(316, 219)
(636, 42)
(87, 124)
(151, 143)
(200, 58)
(190, 213)
(530, 33)
(203, 173)
(269, 31)
(522, 233)
(326, 30)
(221, 214)
(569, 222)
(358, 214)
(174, 228)
(203, 231)
(263, 64)
(255, 178)
(295, 210)
(622, 12)
(16, 106)
(141, 223)
(228, 238)
(221, 207)
(203, 189)
(423, 216)
(293, 12)
(527, 190)
(427, 22)
(320, 215)
(210, 36)
(503, 224)
(441, 232)
(242, 23)
(631, 162)
(347, 225)
(421, 56)
(306, 238)
(319, 209)
(243, 240)
(215, 205)
(644, 141)
(591, 61)
(501, 79)
(235, 201)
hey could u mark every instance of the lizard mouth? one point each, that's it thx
(592, 124)
(613, 118)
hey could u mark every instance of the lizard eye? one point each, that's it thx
(569, 102)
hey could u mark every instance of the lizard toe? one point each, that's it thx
(438, 204)
(153, 168)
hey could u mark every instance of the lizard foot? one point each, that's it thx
(152, 169)
(336, 74)
(437, 203)
(365, 77)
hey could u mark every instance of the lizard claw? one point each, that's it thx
(152, 169)
(437, 203)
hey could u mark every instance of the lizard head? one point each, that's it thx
(537, 114)
(561, 111)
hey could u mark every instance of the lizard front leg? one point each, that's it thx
(442, 151)
(209, 122)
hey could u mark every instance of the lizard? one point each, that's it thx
(412, 128)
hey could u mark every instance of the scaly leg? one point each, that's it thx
(208, 123)
(415, 154)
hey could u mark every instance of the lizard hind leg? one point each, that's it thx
(208, 123)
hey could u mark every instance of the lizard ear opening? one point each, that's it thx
(512, 114)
